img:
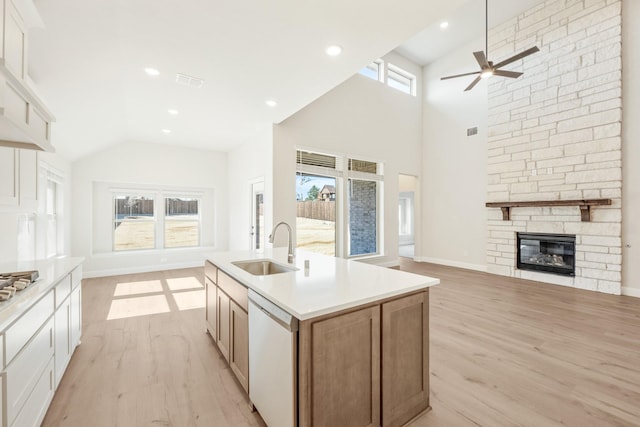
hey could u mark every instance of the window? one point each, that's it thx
(320, 179)
(52, 195)
(134, 222)
(374, 71)
(181, 222)
(155, 219)
(401, 80)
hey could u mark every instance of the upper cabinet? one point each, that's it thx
(25, 121)
(19, 179)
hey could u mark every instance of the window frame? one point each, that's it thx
(379, 70)
(166, 221)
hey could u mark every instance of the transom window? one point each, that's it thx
(395, 77)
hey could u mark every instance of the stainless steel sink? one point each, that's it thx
(263, 267)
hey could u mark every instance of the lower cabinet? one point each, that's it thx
(365, 367)
(239, 351)
(340, 370)
(227, 320)
(62, 339)
(223, 331)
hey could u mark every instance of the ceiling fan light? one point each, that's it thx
(486, 74)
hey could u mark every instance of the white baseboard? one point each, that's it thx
(144, 269)
(465, 265)
(631, 292)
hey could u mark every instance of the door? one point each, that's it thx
(239, 340)
(407, 189)
(223, 323)
(257, 216)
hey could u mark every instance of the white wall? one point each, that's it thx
(149, 165)
(362, 118)
(630, 148)
(454, 172)
(248, 163)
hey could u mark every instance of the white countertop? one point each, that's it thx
(331, 284)
(50, 271)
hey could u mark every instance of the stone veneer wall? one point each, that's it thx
(555, 134)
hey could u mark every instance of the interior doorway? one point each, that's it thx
(257, 216)
(407, 187)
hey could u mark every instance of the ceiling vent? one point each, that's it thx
(185, 80)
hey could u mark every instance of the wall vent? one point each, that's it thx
(472, 131)
(185, 80)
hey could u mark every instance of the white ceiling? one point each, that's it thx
(88, 63)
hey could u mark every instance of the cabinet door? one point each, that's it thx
(223, 324)
(211, 311)
(8, 176)
(340, 370)
(14, 41)
(239, 351)
(76, 317)
(405, 358)
(62, 335)
(28, 179)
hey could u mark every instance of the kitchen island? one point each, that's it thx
(362, 351)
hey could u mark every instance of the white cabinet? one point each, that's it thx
(19, 178)
(24, 119)
(68, 320)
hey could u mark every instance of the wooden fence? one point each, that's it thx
(144, 207)
(317, 209)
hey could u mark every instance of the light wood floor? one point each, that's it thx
(504, 352)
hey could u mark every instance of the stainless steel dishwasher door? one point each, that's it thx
(272, 362)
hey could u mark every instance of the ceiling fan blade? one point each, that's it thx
(473, 83)
(459, 75)
(504, 73)
(482, 59)
(516, 57)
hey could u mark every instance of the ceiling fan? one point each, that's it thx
(488, 68)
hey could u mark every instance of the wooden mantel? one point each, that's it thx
(585, 206)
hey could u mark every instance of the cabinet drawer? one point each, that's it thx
(24, 372)
(211, 271)
(63, 289)
(76, 277)
(18, 334)
(235, 290)
(36, 407)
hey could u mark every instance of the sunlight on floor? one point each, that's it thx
(190, 300)
(136, 288)
(181, 283)
(138, 306)
(143, 298)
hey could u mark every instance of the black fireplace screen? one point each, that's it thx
(551, 253)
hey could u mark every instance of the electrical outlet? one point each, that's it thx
(163, 259)
(549, 171)
(534, 172)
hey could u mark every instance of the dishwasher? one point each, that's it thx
(273, 360)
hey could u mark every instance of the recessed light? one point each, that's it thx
(444, 25)
(334, 50)
(271, 103)
(166, 130)
(172, 111)
(151, 71)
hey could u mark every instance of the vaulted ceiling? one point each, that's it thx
(88, 63)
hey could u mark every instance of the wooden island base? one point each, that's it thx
(366, 366)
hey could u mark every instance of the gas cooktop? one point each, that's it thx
(10, 283)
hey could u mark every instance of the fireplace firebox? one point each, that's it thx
(550, 253)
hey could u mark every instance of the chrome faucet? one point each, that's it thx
(271, 237)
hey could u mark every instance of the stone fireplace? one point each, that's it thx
(554, 134)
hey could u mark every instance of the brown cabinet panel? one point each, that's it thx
(405, 358)
(223, 331)
(211, 311)
(235, 290)
(340, 370)
(239, 351)
(211, 271)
